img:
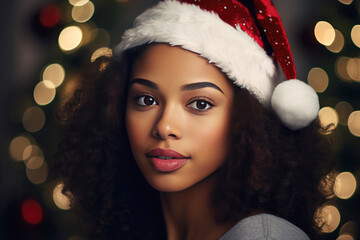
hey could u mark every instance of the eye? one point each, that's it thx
(201, 105)
(145, 101)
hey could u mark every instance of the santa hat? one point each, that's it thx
(231, 37)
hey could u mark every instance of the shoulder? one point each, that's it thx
(264, 227)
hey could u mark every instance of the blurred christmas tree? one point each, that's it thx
(76, 32)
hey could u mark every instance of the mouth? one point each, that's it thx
(166, 160)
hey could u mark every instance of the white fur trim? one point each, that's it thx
(186, 25)
(295, 103)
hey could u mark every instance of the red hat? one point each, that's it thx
(230, 36)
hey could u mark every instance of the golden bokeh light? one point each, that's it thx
(344, 109)
(327, 185)
(17, 147)
(324, 33)
(330, 218)
(328, 117)
(33, 119)
(54, 73)
(355, 35)
(31, 151)
(70, 38)
(345, 185)
(345, 237)
(35, 162)
(347, 2)
(349, 228)
(341, 68)
(83, 13)
(318, 79)
(354, 123)
(61, 200)
(338, 43)
(43, 94)
(353, 70)
(78, 2)
(100, 52)
(39, 175)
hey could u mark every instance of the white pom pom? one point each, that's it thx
(295, 103)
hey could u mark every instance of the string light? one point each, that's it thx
(328, 117)
(44, 93)
(330, 218)
(318, 79)
(355, 35)
(54, 73)
(83, 13)
(345, 185)
(33, 119)
(60, 200)
(70, 38)
(338, 43)
(17, 147)
(31, 211)
(354, 123)
(324, 33)
(341, 68)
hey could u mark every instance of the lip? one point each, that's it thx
(166, 165)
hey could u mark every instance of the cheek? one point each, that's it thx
(136, 129)
(211, 137)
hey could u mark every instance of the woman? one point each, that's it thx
(185, 137)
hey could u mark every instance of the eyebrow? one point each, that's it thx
(187, 87)
(198, 85)
(144, 82)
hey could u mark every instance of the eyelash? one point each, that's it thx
(140, 101)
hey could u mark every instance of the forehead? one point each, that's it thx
(162, 62)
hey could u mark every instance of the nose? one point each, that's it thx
(167, 125)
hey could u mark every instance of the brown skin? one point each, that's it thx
(193, 122)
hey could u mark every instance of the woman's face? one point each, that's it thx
(177, 117)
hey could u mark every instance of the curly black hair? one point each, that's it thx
(270, 168)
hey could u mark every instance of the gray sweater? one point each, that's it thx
(264, 227)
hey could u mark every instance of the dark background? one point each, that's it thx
(26, 47)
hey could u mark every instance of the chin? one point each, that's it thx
(168, 183)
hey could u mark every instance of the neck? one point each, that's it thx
(189, 215)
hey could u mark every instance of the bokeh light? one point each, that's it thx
(61, 200)
(100, 52)
(330, 218)
(341, 68)
(353, 70)
(318, 79)
(44, 93)
(344, 109)
(328, 117)
(338, 43)
(345, 185)
(70, 38)
(35, 162)
(31, 151)
(354, 123)
(39, 175)
(83, 13)
(355, 35)
(347, 2)
(345, 237)
(33, 119)
(31, 211)
(50, 15)
(349, 228)
(78, 2)
(324, 33)
(17, 147)
(54, 73)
